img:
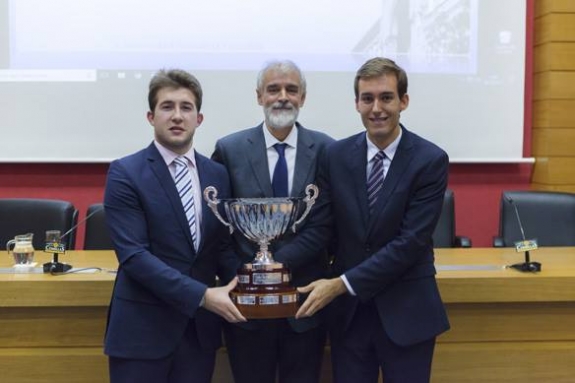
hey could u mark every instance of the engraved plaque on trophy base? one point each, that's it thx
(264, 291)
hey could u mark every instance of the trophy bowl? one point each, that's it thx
(264, 289)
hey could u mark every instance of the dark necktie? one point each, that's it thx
(183, 181)
(280, 177)
(375, 179)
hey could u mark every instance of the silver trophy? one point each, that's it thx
(264, 289)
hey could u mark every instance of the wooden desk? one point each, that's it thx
(51, 327)
(506, 326)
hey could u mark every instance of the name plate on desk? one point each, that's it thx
(55, 248)
(40, 270)
(468, 267)
(21, 270)
(526, 245)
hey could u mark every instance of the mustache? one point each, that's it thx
(287, 105)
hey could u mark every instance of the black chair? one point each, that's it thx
(36, 215)
(546, 216)
(444, 234)
(97, 236)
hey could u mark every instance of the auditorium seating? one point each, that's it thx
(444, 234)
(97, 236)
(36, 215)
(546, 216)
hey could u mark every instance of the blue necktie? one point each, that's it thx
(183, 181)
(375, 179)
(280, 177)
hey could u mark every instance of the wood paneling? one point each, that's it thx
(554, 171)
(27, 326)
(48, 365)
(553, 142)
(549, 114)
(543, 7)
(555, 27)
(498, 321)
(554, 56)
(508, 362)
(554, 85)
(553, 134)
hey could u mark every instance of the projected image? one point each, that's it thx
(426, 35)
(323, 35)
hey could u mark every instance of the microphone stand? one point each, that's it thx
(55, 266)
(527, 266)
(55, 246)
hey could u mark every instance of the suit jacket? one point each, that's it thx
(387, 256)
(244, 156)
(161, 278)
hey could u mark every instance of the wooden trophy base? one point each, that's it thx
(264, 292)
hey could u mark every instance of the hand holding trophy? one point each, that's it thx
(264, 289)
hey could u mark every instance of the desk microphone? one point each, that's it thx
(525, 245)
(55, 246)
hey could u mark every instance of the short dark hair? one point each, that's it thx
(379, 66)
(174, 78)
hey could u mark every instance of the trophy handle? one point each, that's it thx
(309, 200)
(211, 197)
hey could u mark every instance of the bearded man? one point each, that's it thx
(277, 158)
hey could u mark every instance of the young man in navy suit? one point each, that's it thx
(162, 322)
(288, 348)
(381, 197)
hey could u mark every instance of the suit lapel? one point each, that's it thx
(206, 179)
(257, 156)
(356, 171)
(304, 162)
(166, 181)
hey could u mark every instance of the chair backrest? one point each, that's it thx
(97, 236)
(36, 215)
(548, 217)
(444, 234)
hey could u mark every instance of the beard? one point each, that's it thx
(281, 118)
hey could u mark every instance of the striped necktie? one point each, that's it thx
(183, 180)
(375, 179)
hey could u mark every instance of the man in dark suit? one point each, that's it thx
(381, 198)
(289, 348)
(162, 326)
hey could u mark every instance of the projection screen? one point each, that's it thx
(74, 74)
